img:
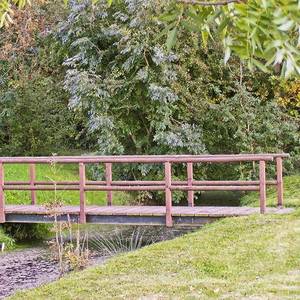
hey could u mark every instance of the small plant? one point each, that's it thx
(71, 254)
(118, 241)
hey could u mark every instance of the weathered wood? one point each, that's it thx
(108, 177)
(148, 215)
(2, 200)
(143, 182)
(167, 185)
(279, 180)
(32, 183)
(190, 183)
(82, 178)
(168, 194)
(262, 186)
(140, 159)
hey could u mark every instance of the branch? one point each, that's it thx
(207, 3)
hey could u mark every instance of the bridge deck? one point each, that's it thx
(152, 215)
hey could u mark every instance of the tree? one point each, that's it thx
(265, 33)
(141, 98)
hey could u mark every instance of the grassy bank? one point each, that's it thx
(291, 194)
(255, 256)
(54, 173)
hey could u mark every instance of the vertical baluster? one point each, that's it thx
(2, 200)
(82, 180)
(32, 183)
(108, 177)
(262, 186)
(190, 184)
(279, 180)
(168, 194)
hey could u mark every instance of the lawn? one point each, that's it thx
(67, 172)
(254, 257)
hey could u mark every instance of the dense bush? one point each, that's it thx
(138, 98)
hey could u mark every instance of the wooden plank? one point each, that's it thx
(168, 194)
(32, 178)
(140, 211)
(279, 181)
(108, 177)
(82, 179)
(2, 199)
(190, 184)
(262, 186)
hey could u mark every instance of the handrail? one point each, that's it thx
(167, 185)
(143, 158)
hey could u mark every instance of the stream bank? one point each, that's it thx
(27, 268)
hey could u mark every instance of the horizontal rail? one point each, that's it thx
(215, 188)
(143, 182)
(135, 188)
(139, 159)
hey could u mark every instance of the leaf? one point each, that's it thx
(227, 54)
(259, 65)
(171, 39)
(286, 26)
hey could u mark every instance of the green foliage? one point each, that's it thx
(263, 33)
(288, 96)
(35, 124)
(34, 116)
(7, 240)
(27, 232)
(139, 98)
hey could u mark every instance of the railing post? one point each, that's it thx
(279, 181)
(262, 186)
(108, 177)
(32, 182)
(190, 183)
(168, 194)
(2, 200)
(82, 180)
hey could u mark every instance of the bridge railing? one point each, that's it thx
(167, 185)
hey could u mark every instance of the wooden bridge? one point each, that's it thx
(153, 215)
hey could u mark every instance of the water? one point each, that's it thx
(27, 268)
(32, 267)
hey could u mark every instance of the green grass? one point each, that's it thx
(291, 194)
(236, 258)
(254, 257)
(54, 173)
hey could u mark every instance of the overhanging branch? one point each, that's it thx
(210, 3)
